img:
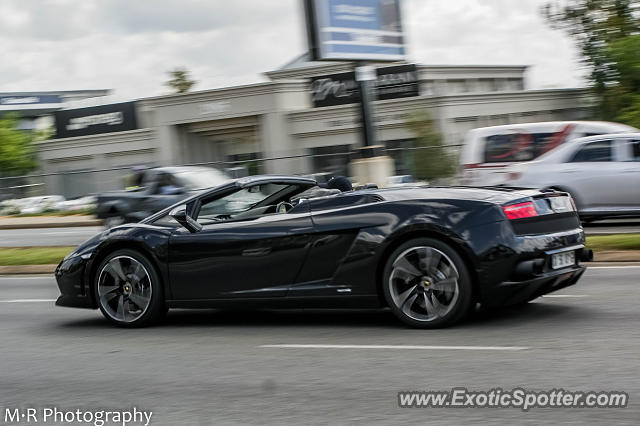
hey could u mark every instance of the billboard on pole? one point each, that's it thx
(399, 81)
(355, 30)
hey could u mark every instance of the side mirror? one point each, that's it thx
(175, 190)
(180, 215)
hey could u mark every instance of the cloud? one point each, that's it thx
(503, 32)
(130, 45)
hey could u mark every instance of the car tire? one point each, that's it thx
(128, 290)
(427, 284)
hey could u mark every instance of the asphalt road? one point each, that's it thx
(210, 367)
(78, 235)
(47, 236)
(613, 226)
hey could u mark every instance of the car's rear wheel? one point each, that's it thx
(128, 289)
(427, 284)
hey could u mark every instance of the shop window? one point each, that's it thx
(331, 159)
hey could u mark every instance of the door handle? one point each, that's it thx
(302, 230)
(257, 251)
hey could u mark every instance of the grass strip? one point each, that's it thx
(33, 255)
(613, 242)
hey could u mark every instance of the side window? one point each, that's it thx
(515, 146)
(634, 150)
(165, 184)
(221, 208)
(240, 204)
(593, 152)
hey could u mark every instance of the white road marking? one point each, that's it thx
(28, 300)
(612, 267)
(63, 232)
(13, 277)
(565, 295)
(412, 347)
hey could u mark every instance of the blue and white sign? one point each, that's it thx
(368, 30)
(30, 99)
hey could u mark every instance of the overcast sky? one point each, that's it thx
(129, 45)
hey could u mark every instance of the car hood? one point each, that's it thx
(118, 232)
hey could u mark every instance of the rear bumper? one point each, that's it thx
(513, 292)
(515, 268)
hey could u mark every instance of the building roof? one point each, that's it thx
(88, 92)
(301, 67)
(45, 102)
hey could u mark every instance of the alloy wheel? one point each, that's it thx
(124, 289)
(424, 283)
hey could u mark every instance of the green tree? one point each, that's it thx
(180, 80)
(17, 155)
(621, 100)
(594, 25)
(431, 159)
(608, 35)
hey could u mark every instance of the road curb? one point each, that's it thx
(617, 256)
(40, 225)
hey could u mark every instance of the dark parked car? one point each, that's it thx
(159, 188)
(427, 253)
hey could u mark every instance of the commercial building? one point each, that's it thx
(36, 109)
(280, 126)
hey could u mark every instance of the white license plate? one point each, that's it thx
(564, 259)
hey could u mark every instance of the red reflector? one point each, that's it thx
(520, 211)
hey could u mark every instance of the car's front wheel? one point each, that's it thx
(128, 289)
(426, 284)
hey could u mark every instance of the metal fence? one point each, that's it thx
(79, 183)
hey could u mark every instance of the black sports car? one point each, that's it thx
(428, 253)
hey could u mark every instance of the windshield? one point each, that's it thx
(201, 178)
(239, 201)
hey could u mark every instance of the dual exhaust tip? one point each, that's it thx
(531, 267)
(586, 255)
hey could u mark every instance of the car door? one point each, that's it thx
(592, 175)
(630, 172)
(337, 239)
(247, 258)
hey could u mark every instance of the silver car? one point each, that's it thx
(602, 173)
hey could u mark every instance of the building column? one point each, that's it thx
(275, 141)
(168, 138)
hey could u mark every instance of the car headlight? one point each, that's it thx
(82, 254)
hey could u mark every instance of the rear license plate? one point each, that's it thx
(560, 204)
(564, 259)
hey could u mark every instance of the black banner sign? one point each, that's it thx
(96, 120)
(395, 82)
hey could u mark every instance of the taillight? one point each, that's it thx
(520, 211)
(514, 176)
